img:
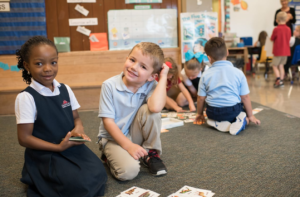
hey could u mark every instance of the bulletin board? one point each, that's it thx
(196, 29)
(126, 28)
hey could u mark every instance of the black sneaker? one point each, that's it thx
(154, 163)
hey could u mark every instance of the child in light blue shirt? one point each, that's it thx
(226, 92)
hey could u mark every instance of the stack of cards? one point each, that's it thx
(138, 192)
(192, 192)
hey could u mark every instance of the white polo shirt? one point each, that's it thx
(121, 104)
(25, 108)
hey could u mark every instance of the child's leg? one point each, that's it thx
(276, 71)
(281, 71)
(181, 100)
(145, 131)
(122, 165)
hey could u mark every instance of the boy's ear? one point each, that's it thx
(152, 77)
(210, 59)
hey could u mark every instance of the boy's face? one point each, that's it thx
(192, 74)
(138, 68)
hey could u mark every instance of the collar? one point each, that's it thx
(122, 87)
(221, 63)
(39, 87)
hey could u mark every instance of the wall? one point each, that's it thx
(58, 13)
(258, 17)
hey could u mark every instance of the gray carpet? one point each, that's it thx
(260, 161)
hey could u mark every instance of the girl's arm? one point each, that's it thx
(187, 95)
(133, 149)
(157, 100)
(27, 140)
(171, 104)
(193, 90)
(78, 129)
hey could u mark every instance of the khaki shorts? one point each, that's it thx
(279, 60)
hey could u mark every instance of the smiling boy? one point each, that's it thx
(130, 105)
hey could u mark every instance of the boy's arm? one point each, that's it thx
(157, 100)
(247, 104)
(187, 95)
(200, 108)
(134, 150)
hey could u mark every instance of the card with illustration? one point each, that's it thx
(192, 192)
(78, 139)
(138, 192)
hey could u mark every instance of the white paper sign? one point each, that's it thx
(81, 1)
(4, 7)
(83, 21)
(93, 38)
(82, 10)
(83, 30)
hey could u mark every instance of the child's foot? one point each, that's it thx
(221, 126)
(239, 125)
(154, 163)
(281, 84)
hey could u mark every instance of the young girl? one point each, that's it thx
(177, 94)
(193, 68)
(261, 39)
(46, 113)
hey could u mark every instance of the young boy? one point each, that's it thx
(281, 49)
(224, 87)
(130, 105)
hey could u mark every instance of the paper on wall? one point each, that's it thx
(81, 1)
(81, 9)
(83, 30)
(93, 38)
(83, 21)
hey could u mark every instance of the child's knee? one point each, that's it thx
(127, 171)
(145, 112)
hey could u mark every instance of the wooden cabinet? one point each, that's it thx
(239, 52)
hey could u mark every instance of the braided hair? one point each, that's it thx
(24, 53)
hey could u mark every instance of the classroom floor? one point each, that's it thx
(285, 99)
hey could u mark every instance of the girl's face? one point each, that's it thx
(170, 76)
(192, 74)
(198, 48)
(296, 32)
(43, 65)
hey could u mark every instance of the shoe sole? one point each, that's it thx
(222, 126)
(239, 125)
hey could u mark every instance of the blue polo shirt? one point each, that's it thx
(121, 104)
(223, 84)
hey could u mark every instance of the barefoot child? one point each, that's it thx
(46, 112)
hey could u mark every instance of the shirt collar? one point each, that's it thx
(39, 87)
(122, 87)
(221, 63)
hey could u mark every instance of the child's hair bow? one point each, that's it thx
(169, 64)
(199, 56)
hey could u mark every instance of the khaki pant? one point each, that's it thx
(144, 131)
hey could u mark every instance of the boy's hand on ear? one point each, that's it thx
(164, 71)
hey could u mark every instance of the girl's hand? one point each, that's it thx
(179, 109)
(79, 132)
(66, 143)
(192, 107)
(164, 71)
(136, 151)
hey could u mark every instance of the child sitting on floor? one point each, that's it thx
(177, 95)
(193, 69)
(226, 92)
(46, 113)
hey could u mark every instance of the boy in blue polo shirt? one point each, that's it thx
(130, 105)
(226, 92)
